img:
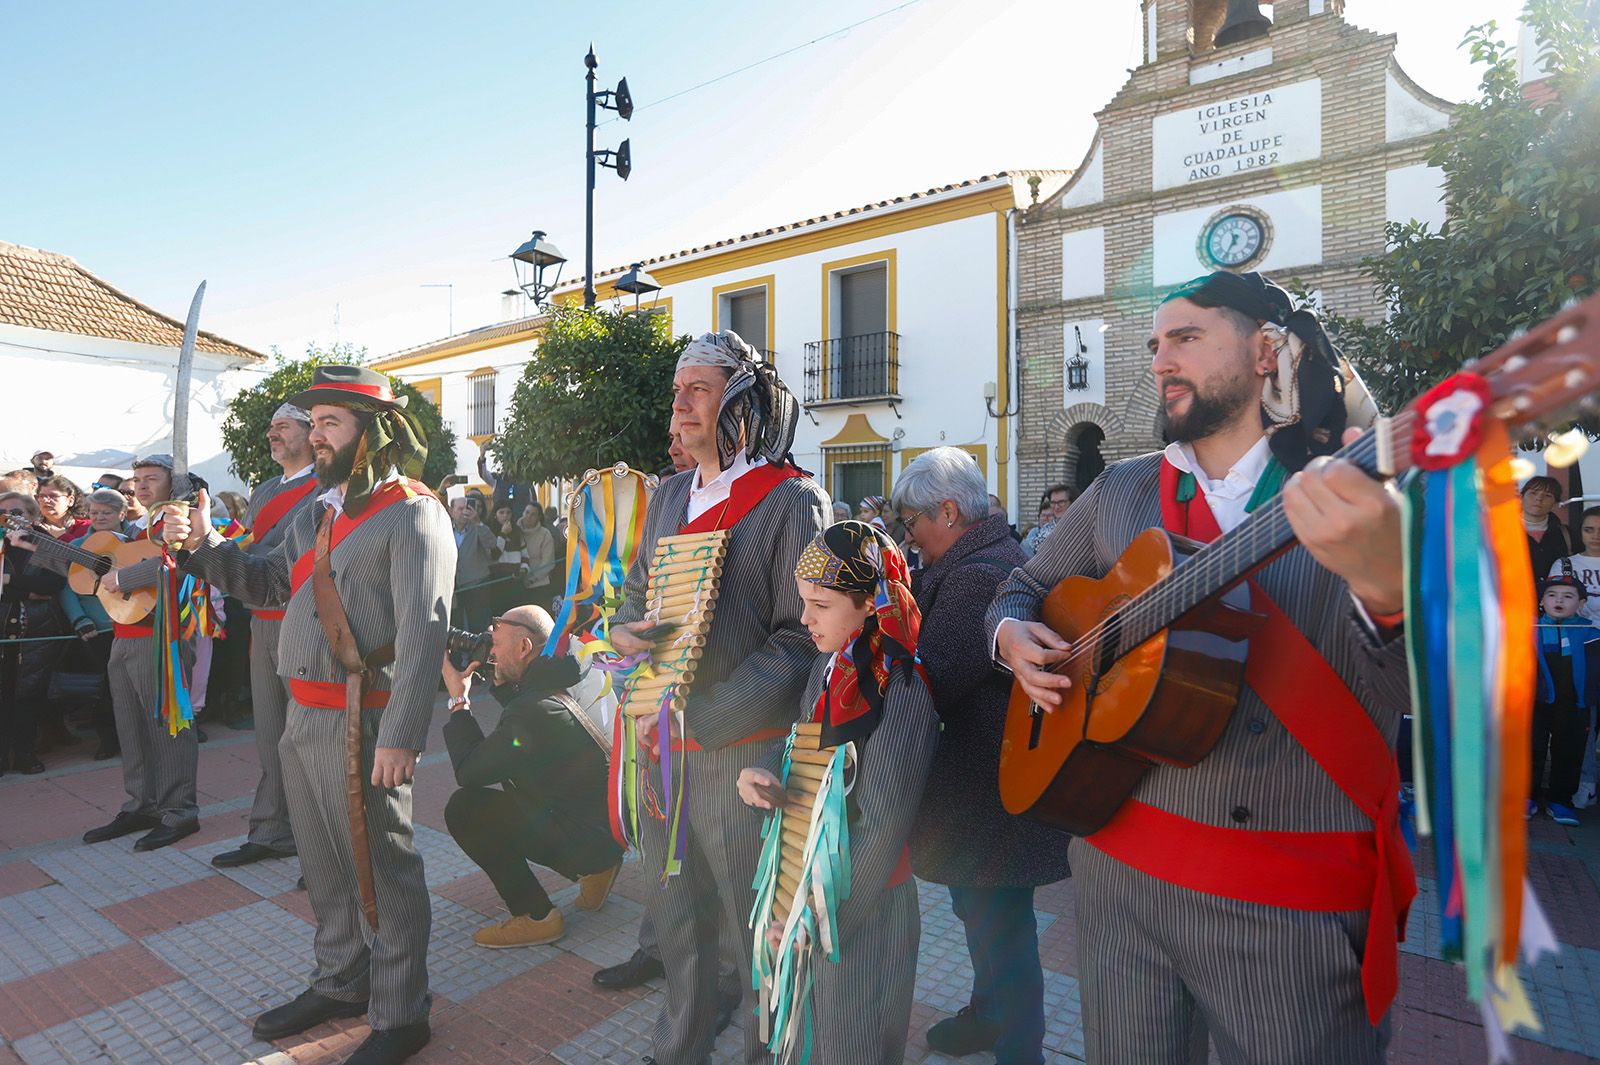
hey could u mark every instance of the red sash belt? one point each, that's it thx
(1317, 871)
(129, 632)
(327, 695)
(382, 496)
(274, 509)
(268, 615)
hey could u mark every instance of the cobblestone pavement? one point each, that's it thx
(111, 956)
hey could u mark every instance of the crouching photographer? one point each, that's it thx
(550, 807)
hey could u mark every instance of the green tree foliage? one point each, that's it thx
(1522, 237)
(244, 433)
(597, 391)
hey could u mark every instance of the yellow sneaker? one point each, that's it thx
(522, 931)
(594, 889)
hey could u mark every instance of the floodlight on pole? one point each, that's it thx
(619, 100)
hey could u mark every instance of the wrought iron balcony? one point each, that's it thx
(853, 369)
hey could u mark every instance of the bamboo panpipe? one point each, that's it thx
(706, 539)
(805, 771)
(649, 707)
(688, 578)
(699, 567)
(799, 755)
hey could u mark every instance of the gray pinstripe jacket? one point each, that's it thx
(394, 573)
(1256, 767)
(758, 654)
(262, 545)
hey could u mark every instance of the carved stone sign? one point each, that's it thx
(1237, 134)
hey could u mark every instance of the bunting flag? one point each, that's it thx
(1470, 642)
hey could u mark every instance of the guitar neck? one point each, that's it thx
(52, 548)
(1227, 560)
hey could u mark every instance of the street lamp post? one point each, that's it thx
(531, 261)
(638, 282)
(621, 160)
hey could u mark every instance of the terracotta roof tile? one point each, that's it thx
(44, 290)
(789, 227)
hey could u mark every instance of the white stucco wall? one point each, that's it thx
(1415, 192)
(108, 400)
(1296, 238)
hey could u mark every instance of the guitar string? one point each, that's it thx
(1208, 565)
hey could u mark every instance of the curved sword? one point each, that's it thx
(181, 487)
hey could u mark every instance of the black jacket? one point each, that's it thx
(963, 834)
(537, 750)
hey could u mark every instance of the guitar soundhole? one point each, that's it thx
(1035, 726)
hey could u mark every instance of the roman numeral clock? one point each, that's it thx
(1234, 238)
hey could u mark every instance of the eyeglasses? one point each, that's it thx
(911, 522)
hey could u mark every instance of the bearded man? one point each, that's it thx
(736, 419)
(273, 504)
(364, 576)
(1180, 932)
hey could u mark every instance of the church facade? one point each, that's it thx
(1238, 143)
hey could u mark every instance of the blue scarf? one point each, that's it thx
(1563, 638)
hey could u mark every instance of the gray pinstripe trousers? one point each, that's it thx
(269, 702)
(705, 904)
(1159, 966)
(389, 969)
(158, 770)
(861, 1005)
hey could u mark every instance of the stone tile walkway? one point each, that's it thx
(109, 956)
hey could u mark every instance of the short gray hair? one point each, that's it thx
(107, 497)
(940, 474)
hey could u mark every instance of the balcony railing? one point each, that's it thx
(853, 369)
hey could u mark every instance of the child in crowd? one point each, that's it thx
(869, 696)
(1568, 684)
(1586, 567)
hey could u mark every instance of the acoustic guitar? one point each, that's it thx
(1159, 643)
(98, 555)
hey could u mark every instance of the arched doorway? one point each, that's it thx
(1084, 460)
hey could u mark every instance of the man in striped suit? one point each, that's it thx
(273, 505)
(158, 769)
(1181, 932)
(735, 418)
(376, 548)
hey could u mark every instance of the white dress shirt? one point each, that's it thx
(702, 497)
(1227, 497)
(334, 497)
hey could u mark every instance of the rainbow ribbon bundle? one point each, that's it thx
(173, 707)
(783, 977)
(1470, 642)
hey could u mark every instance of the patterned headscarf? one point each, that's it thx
(758, 412)
(1315, 393)
(853, 556)
(392, 440)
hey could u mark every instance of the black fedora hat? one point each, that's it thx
(348, 386)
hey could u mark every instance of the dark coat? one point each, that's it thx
(963, 834)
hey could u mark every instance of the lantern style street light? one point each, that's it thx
(638, 282)
(532, 262)
(1078, 366)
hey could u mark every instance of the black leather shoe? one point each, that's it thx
(247, 853)
(308, 1010)
(121, 825)
(166, 836)
(107, 750)
(726, 1008)
(965, 1033)
(631, 973)
(31, 768)
(391, 1046)
(300, 885)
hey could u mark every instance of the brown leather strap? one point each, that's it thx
(358, 673)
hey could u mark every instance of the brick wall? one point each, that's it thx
(1351, 170)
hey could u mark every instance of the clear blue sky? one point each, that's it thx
(306, 157)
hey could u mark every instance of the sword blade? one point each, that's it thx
(180, 398)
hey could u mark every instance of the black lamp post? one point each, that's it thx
(1078, 366)
(638, 282)
(621, 160)
(532, 261)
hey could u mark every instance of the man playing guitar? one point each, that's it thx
(1234, 898)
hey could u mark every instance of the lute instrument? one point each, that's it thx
(1158, 645)
(87, 563)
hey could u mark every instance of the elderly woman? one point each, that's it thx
(964, 837)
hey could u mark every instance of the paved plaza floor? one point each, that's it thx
(111, 956)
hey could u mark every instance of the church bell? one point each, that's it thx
(1243, 21)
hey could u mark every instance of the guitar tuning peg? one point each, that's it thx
(1522, 469)
(1566, 448)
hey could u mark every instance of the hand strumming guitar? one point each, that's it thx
(1350, 523)
(1030, 648)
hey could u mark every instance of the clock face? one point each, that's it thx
(1234, 239)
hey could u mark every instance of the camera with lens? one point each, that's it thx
(464, 648)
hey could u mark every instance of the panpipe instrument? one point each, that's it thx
(801, 877)
(685, 578)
